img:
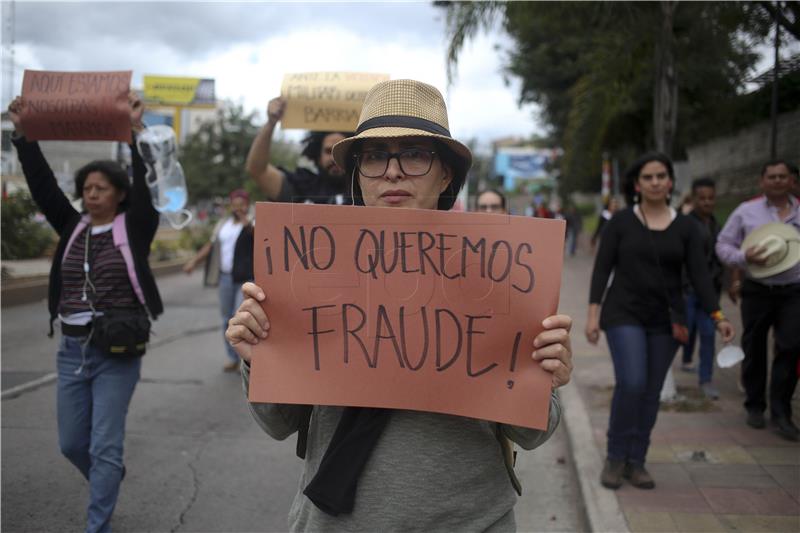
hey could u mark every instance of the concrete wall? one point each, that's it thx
(735, 161)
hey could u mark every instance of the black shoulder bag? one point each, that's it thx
(679, 330)
(117, 332)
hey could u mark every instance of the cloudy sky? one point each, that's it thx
(247, 48)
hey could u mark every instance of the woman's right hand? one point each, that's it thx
(189, 266)
(592, 330)
(275, 110)
(14, 110)
(249, 325)
(593, 324)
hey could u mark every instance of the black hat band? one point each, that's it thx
(402, 121)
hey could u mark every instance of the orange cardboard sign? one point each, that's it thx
(76, 106)
(406, 309)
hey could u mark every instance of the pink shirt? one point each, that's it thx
(744, 219)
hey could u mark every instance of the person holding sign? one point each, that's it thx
(377, 469)
(643, 314)
(327, 186)
(100, 284)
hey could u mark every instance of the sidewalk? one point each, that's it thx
(712, 472)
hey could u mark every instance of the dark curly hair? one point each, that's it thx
(114, 173)
(313, 143)
(448, 197)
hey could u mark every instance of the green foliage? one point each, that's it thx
(213, 158)
(23, 237)
(591, 67)
(164, 250)
(194, 237)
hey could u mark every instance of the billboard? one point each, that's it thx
(517, 164)
(179, 91)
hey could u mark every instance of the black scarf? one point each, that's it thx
(333, 489)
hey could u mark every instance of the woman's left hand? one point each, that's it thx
(136, 111)
(553, 349)
(726, 329)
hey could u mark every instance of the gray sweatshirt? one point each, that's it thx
(428, 471)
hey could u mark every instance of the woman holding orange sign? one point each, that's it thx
(381, 469)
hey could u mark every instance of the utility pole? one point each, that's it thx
(773, 147)
(9, 64)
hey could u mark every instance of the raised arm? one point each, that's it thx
(268, 177)
(41, 181)
(141, 212)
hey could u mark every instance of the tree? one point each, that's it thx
(23, 236)
(621, 77)
(213, 158)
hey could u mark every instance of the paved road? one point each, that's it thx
(196, 460)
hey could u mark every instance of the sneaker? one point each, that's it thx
(755, 419)
(710, 391)
(784, 427)
(232, 366)
(638, 476)
(687, 367)
(611, 477)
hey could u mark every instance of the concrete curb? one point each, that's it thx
(35, 288)
(602, 506)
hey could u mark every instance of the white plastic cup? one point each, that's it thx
(729, 356)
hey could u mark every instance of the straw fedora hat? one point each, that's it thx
(404, 108)
(781, 243)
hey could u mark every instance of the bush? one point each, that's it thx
(162, 250)
(22, 236)
(193, 238)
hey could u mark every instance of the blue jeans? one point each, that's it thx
(698, 321)
(92, 406)
(641, 359)
(230, 297)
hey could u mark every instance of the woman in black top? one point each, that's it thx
(646, 247)
(100, 266)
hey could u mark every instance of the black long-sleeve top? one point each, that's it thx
(141, 220)
(639, 295)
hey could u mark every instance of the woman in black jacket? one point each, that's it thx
(100, 269)
(647, 247)
(230, 263)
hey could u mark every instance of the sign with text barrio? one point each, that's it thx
(76, 106)
(326, 101)
(406, 309)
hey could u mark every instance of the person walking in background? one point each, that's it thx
(100, 273)
(370, 469)
(328, 185)
(687, 203)
(647, 246)
(609, 208)
(229, 263)
(574, 228)
(762, 237)
(491, 201)
(697, 320)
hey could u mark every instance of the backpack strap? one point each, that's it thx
(120, 236)
(509, 457)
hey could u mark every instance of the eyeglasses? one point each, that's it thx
(413, 162)
(490, 207)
